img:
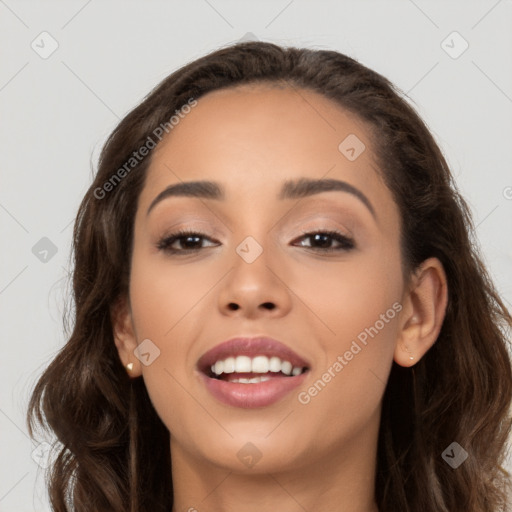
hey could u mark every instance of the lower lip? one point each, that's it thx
(249, 396)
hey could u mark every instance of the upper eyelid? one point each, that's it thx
(191, 230)
(306, 213)
(349, 222)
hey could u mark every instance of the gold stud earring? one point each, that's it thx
(129, 367)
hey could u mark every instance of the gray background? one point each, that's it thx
(57, 111)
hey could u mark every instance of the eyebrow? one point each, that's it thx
(291, 189)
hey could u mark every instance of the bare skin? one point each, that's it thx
(316, 454)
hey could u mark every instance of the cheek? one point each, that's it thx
(349, 296)
(164, 299)
(358, 311)
(162, 293)
(356, 304)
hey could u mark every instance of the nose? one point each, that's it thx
(255, 289)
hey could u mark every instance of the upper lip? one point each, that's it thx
(246, 346)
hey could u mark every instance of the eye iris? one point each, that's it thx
(187, 238)
(323, 238)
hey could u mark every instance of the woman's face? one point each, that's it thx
(254, 271)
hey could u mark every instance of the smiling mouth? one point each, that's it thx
(251, 370)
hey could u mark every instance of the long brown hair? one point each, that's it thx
(112, 450)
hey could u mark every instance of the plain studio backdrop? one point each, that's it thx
(71, 70)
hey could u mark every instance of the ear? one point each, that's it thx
(423, 313)
(124, 335)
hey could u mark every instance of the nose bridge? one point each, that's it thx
(254, 233)
(250, 250)
(252, 230)
(254, 260)
(254, 282)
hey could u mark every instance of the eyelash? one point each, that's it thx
(346, 243)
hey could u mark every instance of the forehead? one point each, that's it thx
(251, 138)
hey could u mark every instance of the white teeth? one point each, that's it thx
(260, 364)
(229, 365)
(275, 364)
(242, 365)
(286, 367)
(257, 364)
(219, 367)
(241, 380)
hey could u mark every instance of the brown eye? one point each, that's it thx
(184, 242)
(322, 241)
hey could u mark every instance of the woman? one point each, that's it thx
(279, 305)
